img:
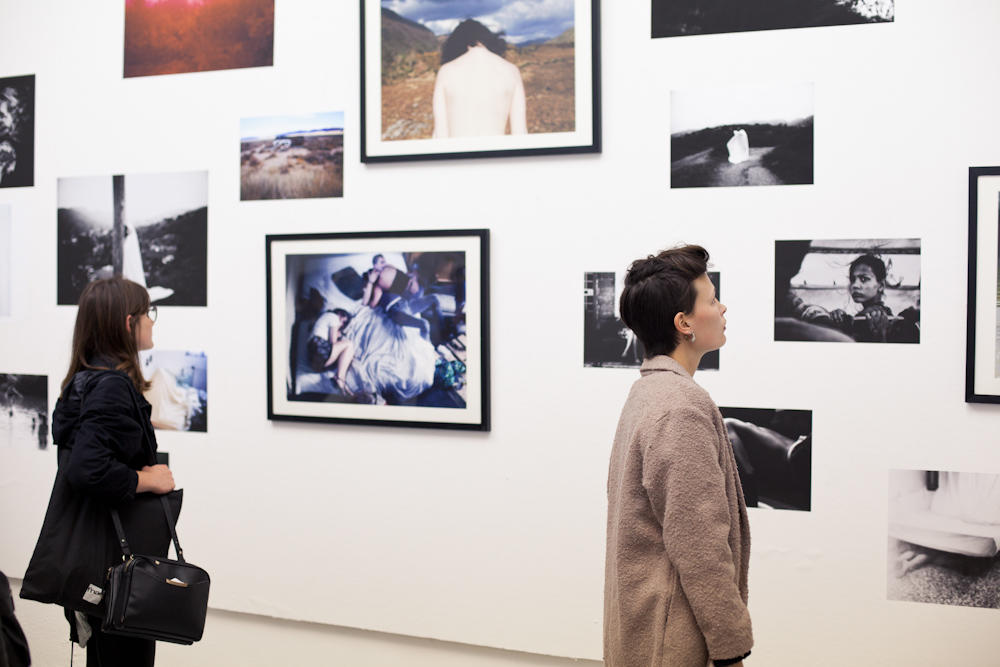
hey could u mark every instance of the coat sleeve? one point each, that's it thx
(687, 491)
(108, 437)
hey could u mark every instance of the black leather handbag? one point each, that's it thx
(151, 597)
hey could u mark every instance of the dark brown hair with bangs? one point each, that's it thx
(656, 289)
(103, 336)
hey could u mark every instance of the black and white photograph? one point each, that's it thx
(149, 228)
(24, 411)
(677, 18)
(466, 78)
(773, 450)
(178, 389)
(6, 259)
(982, 356)
(607, 342)
(847, 291)
(17, 131)
(944, 532)
(379, 328)
(741, 136)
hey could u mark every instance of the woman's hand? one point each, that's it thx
(155, 479)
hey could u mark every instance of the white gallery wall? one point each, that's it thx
(497, 539)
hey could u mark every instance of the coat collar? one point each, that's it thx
(662, 362)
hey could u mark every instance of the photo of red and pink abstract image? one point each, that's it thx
(178, 36)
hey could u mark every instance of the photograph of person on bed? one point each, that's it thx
(385, 328)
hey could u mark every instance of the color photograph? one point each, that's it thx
(380, 326)
(850, 291)
(607, 342)
(773, 450)
(24, 411)
(179, 389)
(676, 18)
(17, 131)
(455, 77)
(292, 157)
(944, 528)
(178, 36)
(150, 228)
(740, 136)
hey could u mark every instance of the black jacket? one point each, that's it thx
(104, 438)
(101, 426)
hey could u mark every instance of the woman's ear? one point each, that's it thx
(128, 322)
(680, 323)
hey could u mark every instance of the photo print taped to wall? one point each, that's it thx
(742, 136)
(944, 532)
(178, 391)
(848, 291)
(428, 67)
(160, 221)
(773, 450)
(24, 411)
(178, 36)
(17, 131)
(676, 18)
(607, 342)
(292, 157)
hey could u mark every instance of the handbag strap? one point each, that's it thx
(123, 542)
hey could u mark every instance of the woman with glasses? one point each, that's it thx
(106, 449)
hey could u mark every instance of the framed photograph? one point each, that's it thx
(982, 357)
(379, 328)
(467, 79)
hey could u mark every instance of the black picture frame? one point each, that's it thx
(585, 137)
(982, 355)
(419, 357)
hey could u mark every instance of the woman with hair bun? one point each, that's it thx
(678, 537)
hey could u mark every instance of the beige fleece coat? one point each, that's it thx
(675, 586)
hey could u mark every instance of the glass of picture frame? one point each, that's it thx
(379, 328)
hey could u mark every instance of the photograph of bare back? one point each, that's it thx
(471, 78)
